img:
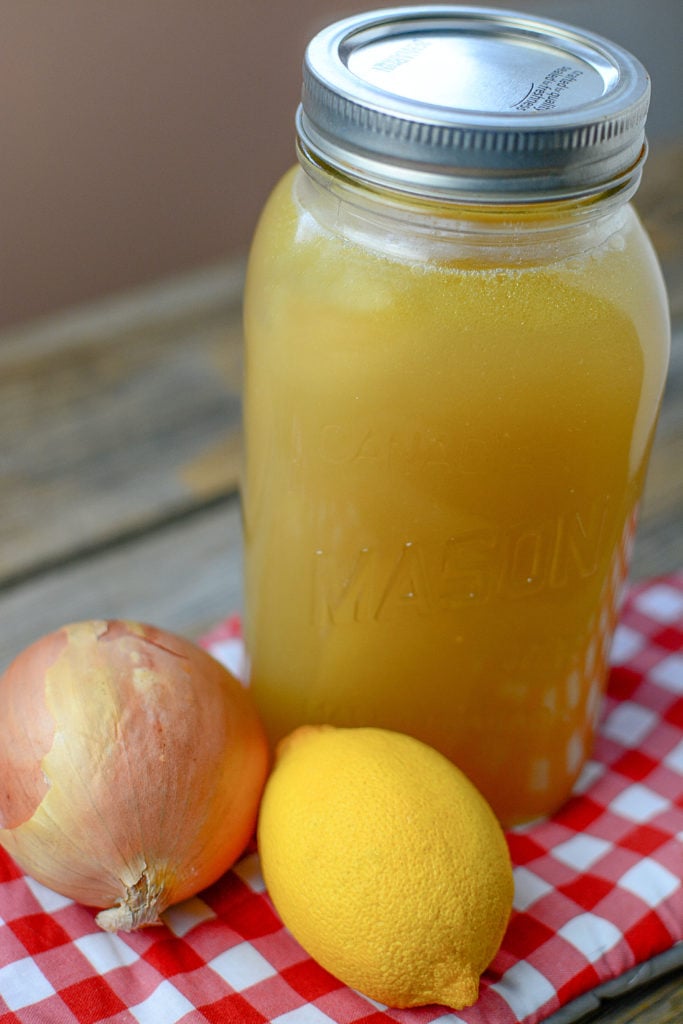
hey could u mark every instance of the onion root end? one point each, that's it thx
(142, 905)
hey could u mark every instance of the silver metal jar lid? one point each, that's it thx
(472, 103)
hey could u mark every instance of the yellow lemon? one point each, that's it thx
(385, 863)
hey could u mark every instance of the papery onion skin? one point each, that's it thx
(131, 767)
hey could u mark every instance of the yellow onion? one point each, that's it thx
(131, 768)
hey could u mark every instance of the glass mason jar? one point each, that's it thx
(457, 339)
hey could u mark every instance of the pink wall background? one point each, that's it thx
(139, 138)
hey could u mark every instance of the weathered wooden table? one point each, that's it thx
(119, 465)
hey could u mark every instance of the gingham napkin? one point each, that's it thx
(598, 890)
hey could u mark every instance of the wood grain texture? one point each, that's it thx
(659, 541)
(660, 1002)
(659, 201)
(652, 987)
(112, 418)
(185, 577)
(127, 413)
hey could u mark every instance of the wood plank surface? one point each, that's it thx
(649, 994)
(659, 201)
(116, 418)
(127, 413)
(658, 1003)
(186, 576)
(178, 564)
(659, 540)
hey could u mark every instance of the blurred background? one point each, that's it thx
(141, 137)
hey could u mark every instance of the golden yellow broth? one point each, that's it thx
(444, 461)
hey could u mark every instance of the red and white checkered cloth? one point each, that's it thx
(599, 889)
